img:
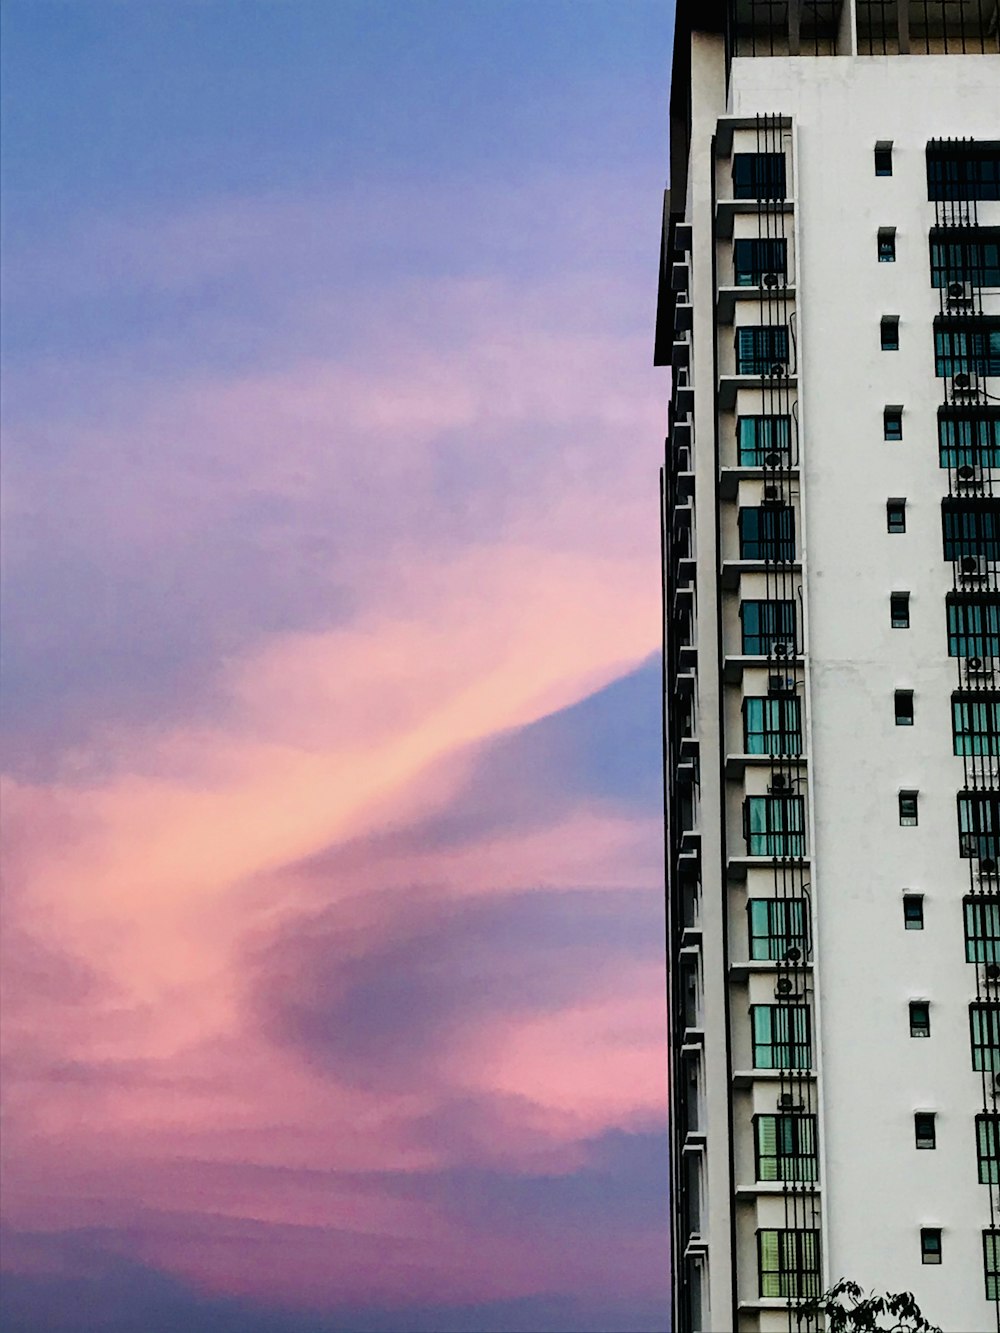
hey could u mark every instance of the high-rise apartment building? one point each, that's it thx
(830, 310)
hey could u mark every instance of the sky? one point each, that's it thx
(334, 994)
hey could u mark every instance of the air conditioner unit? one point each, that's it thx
(993, 972)
(783, 987)
(778, 371)
(782, 649)
(962, 385)
(787, 1102)
(772, 459)
(780, 684)
(770, 280)
(772, 495)
(971, 568)
(780, 782)
(978, 666)
(793, 954)
(960, 293)
(987, 867)
(969, 474)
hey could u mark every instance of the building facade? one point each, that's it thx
(830, 310)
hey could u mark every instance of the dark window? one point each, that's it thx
(968, 170)
(764, 441)
(991, 1264)
(908, 808)
(913, 911)
(895, 515)
(892, 423)
(778, 926)
(889, 333)
(903, 700)
(883, 159)
(772, 725)
(768, 628)
(762, 349)
(975, 723)
(785, 1147)
(759, 176)
(920, 1018)
(924, 1129)
(767, 532)
(969, 437)
(788, 1263)
(982, 928)
(973, 625)
(979, 825)
(971, 528)
(969, 348)
(970, 256)
(775, 825)
(781, 1036)
(984, 1031)
(899, 610)
(930, 1245)
(757, 260)
(988, 1148)
(887, 245)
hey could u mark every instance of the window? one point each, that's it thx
(930, 1245)
(785, 1147)
(767, 532)
(778, 927)
(757, 260)
(973, 625)
(759, 176)
(975, 723)
(887, 245)
(768, 628)
(969, 436)
(781, 1036)
(913, 911)
(964, 170)
(903, 700)
(899, 610)
(982, 928)
(764, 441)
(971, 256)
(908, 808)
(971, 347)
(971, 528)
(892, 423)
(987, 1148)
(775, 825)
(889, 333)
(883, 158)
(920, 1018)
(991, 1264)
(984, 1030)
(762, 349)
(979, 825)
(772, 725)
(895, 515)
(788, 1263)
(924, 1129)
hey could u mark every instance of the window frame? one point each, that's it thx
(761, 347)
(914, 920)
(988, 1147)
(895, 515)
(780, 725)
(975, 722)
(920, 1018)
(970, 527)
(981, 924)
(899, 610)
(782, 931)
(966, 630)
(905, 799)
(784, 629)
(763, 177)
(781, 820)
(984, 1024)
(969, 436)
(963, 171)
(770, 433)
(781, 1036)
(889, 333)
(892, 424)
(931, 1245)
(902, 701)
(883, 157)
(886, 245)
(969, 255)
(750, 256)
(991, 1262)
(767, 533)
(969, 347)
(796, 1274)
(925, 1141)
(979, 825)
(793, 1137)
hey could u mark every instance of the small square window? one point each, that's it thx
(889, 333)
(930, 1245)
(883, 157)
(920, 1018)
(887, 245)
(924, 1129)
(895, 515)
(903, 700)
(892, 423)
(913, 911)
(908, 808)
(899, 610)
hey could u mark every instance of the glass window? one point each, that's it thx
(979, 825)
(969, 437)
(963, 171)
(908, 808)
(759, 176)
(991, 1264)
(775, 825)
(970, 256)
(892, 423)
(982, 928)
(899, 610)
(984, 1030)
(887, 245)
(788, 1263)
(764, 441)
(889, 333)
(883, 159)
(969, 348)
(772, 725)
(930, 1245)
(913, 911)
(920, 1018)
(895, 515)
(785, 1147)
(975, 723)
(971, 528)
(779, 929)
(903, 702)
(924, 1129)
(988, 1148)
(973, 625)
(781, 1036)
(757, 260)
(767, 532)
(768, 628)
(762, 349)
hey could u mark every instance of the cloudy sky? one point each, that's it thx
(331, 809)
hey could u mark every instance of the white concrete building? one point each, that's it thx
(830, 308)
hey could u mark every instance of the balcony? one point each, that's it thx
(766, 297)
